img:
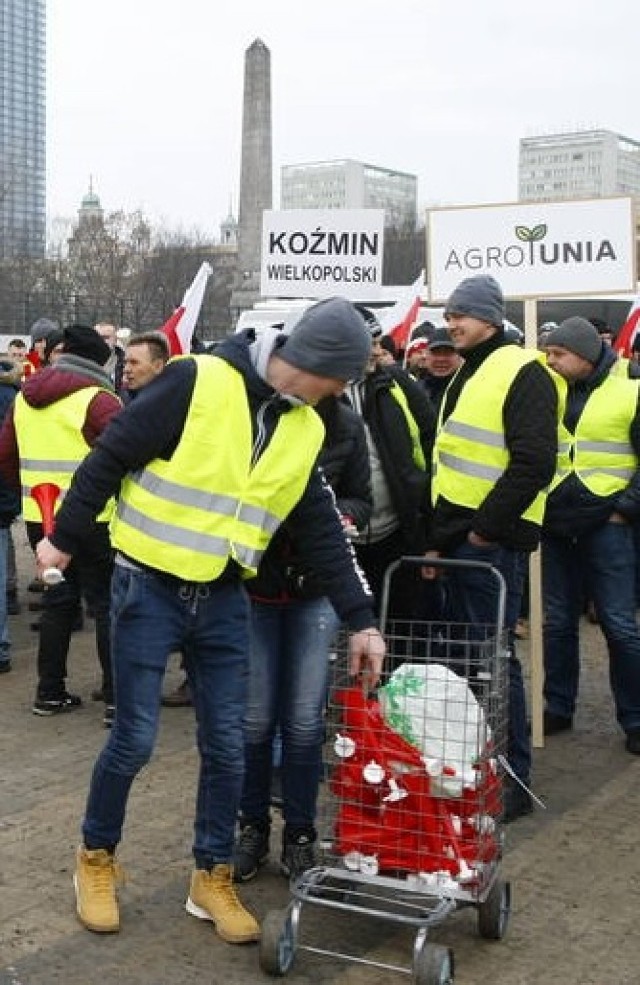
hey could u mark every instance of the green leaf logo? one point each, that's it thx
(531, 236)
(524, 234)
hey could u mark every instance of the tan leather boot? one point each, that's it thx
(213, 897)
(95, 879)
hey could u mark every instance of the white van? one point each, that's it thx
(287, 310)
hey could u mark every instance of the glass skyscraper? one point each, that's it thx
(22, 128)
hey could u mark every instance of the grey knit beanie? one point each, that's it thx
(481, 297)
(577, 335)
(331, 339)
(42, 328)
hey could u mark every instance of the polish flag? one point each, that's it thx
(623, 343)
(179, 327)
(398, 320)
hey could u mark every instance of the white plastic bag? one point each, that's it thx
(437, 712)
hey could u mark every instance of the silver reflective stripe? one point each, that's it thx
(489, 472)
(47, 465)
(620, 473)
(26, 492)
(563, 447)
(174, 492)
(212, 503)
(248, 557)
(259, 518)
(482, 436)
(169, 534)
(612, 447)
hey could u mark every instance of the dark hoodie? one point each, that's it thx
(130, 443)
(572, 510)
(54, 383)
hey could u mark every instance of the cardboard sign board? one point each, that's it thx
(534, 249)
(317, 253)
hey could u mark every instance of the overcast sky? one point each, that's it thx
(146, 95)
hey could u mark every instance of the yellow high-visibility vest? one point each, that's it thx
(470, 453)
(600, 452)
(417, 453)
(51, 445)
(211, 502)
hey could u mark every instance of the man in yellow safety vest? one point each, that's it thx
(209, 460)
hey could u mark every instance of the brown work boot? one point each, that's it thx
(213, 897)
(95, 879)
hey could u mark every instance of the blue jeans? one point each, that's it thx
(290, 644)
(606, 557)
(152, 617)
(5, 641)
(472, 598)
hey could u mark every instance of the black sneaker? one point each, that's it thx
(55, 706)
(109, 715)
(298, 854)
(250, 851)
(5, 666)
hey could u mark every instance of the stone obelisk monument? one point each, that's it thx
(256, 176)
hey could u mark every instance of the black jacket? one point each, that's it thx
(344, 459)
(151, 426)
(435, 387)
(531, 435)
(409, 485)
(572, 509)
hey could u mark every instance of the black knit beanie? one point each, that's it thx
(84, 341)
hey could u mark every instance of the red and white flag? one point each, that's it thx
(398, 320)
(625, 338)
(179, 327)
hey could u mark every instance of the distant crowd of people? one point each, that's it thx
(239, 506)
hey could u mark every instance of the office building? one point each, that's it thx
(351, 185)
(583, 164)
(22, 128)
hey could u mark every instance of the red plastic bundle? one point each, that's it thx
(388, 811)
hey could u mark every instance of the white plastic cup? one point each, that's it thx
(52, 576)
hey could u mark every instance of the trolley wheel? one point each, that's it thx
(277, 943)
(433, 965)
(494, 912)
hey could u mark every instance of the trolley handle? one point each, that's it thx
(441, 562)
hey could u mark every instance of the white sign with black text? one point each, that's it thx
(534, 249)
(322, 253)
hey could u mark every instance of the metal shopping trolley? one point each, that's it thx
(409, 817)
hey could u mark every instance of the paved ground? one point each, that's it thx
(574, 868)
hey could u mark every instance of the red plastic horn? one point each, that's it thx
(46, 496)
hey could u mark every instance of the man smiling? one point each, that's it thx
(494, 455)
